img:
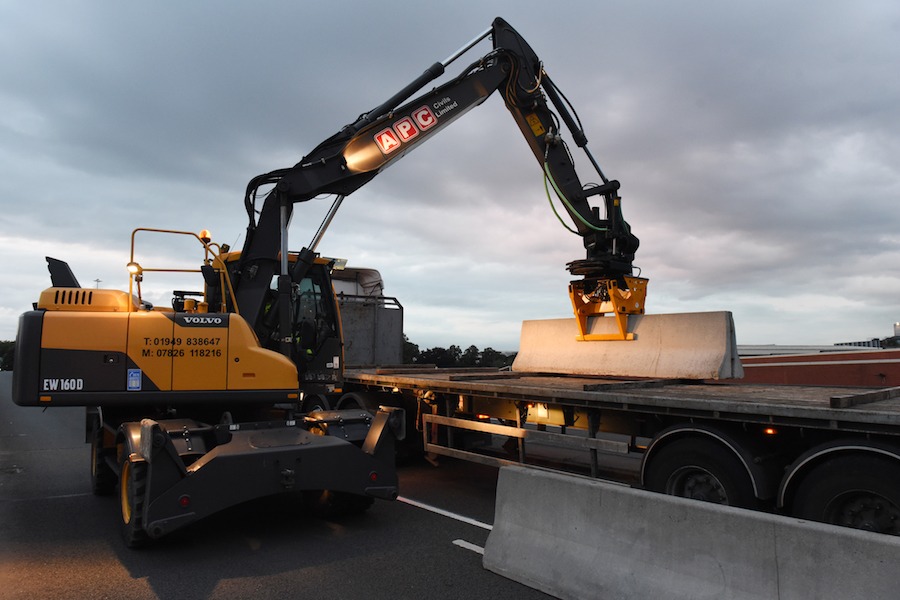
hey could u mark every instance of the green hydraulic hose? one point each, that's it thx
(549, 177)
(552, 206)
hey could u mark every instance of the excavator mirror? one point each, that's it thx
(210, 276)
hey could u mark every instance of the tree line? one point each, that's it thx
(454, 356)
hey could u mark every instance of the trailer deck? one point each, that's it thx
(823, 453)
(856, 409)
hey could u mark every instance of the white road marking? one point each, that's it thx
(446, 513)
(469, 546)
(61, 497)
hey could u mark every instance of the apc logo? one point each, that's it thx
(405, 129)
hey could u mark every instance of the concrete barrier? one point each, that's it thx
(672, 346)
(575, 537)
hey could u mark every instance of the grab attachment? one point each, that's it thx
(607, 296)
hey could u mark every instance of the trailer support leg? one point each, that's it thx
(521, 415)
(593, 427)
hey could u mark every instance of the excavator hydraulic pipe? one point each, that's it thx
(577, 133)
(305, 260)
(430, 74)
(607, 188)
(467, 47)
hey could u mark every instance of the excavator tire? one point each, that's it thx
(132, 489)
(103, 478)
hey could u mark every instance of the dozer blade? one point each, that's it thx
(676, 346)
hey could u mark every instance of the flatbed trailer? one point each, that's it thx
(830, 454)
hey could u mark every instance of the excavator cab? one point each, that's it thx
(315, 344)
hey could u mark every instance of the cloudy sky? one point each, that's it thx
(757, 143)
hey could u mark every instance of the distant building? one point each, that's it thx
(873, 343)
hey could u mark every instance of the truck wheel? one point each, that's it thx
(315, 402)
(354, 400)
(703, 470)
(132, 486)
(861, 491)
(103, 478)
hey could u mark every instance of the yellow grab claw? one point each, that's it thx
(607, 297)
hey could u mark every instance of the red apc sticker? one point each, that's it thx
(424, 118)
(406, 129)
(387, 140)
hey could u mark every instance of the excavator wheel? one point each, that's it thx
(132, 489)
(103, 478)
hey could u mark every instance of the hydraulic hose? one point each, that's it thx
(549, 177)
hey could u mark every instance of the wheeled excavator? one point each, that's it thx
(213, 401)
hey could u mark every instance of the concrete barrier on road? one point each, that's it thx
(575, 537)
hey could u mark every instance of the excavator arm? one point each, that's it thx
(352, 157)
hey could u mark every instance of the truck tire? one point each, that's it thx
(132, 488)
(315, 402)
(703, 470)
(858, 491)
(103, 478)
(361, 400)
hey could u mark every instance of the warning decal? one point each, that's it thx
(535, 123)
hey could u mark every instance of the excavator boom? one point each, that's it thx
(607, 286)
(352, 157)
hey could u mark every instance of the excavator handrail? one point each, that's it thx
(212, 257)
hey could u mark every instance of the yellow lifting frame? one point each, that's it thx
(607, 297)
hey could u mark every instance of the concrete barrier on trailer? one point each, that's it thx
(575, 537)
(672, 346)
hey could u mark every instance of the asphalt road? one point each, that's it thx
(57, 540)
